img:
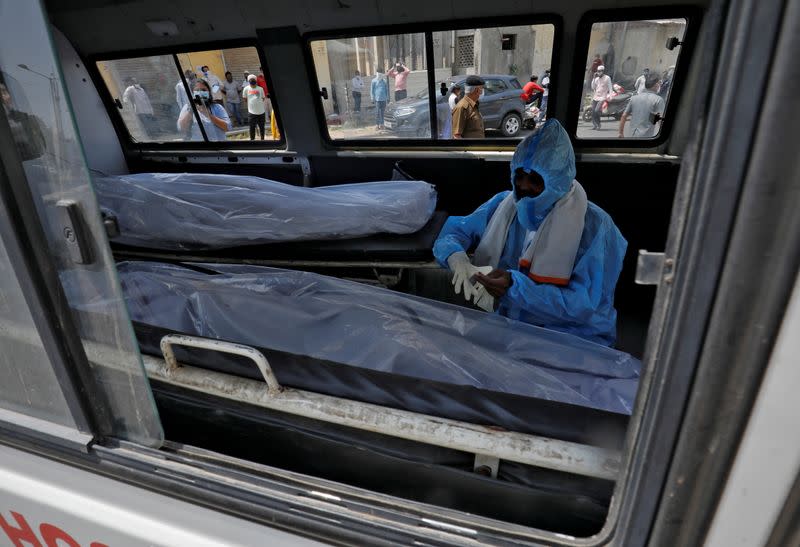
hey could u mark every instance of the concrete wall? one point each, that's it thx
(628, 47)
(532, 53)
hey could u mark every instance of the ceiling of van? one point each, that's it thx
(97, 26)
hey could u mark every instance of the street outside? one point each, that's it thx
(609, 129)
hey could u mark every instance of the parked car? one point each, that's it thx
(501, 107)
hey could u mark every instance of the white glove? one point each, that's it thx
(463, 272)
(483, 299)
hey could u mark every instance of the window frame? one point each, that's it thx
(691, 14)
(127, 141)
(427, 29)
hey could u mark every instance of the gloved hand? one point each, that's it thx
(463, 272)
(483, 299)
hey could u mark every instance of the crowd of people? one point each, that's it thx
(462, 117)
(646, 102)
(218, 104)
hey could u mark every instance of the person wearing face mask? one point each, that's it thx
(215, 83)
(212, 115)
(601, 91)
(467, 119)
(256, 106)
(554, 256)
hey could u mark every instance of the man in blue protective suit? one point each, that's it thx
(544, 254)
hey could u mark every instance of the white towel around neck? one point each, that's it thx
(550, 252)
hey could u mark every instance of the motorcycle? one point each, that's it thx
(613, 106)
(529, 116)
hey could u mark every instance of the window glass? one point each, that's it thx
(27, 382)
(151, 95)
(506, 58)
(628, 78)
(56, 173)
(376, 86)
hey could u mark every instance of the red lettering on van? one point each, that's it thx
(22, 532)
(52, 535)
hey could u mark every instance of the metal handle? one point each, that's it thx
(273, 386)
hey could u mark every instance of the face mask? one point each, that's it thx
(252, 84)
(201, 94)
(205, 71)
(532, 211)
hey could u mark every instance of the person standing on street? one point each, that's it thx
(256, 106)
(601, 89)
(216, 85)
(212, 115)
(640, 110)
(356, 87)
(592, 70)
(546, 85)
(453, 98)
(467, 120)
(379, 93)
(639, 84)
(180, 92)
(400, 75)
(136, 96)
(233, 92)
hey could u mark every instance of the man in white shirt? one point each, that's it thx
(639, 84)
(136, 96)
(455, 91)
(546, 85)
(356, 88)
(180, 91)
(256, 106)
(601, 88)
(214, 82)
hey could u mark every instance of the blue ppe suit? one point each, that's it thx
(585, 307)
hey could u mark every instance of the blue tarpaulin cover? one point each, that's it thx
(191, 211)
(375, 329)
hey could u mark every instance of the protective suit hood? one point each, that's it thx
(548, 152)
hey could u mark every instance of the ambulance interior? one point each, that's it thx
(377, 298)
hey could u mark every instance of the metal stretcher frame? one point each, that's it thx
(489, 445)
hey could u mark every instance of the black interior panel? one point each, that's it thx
(549, 500)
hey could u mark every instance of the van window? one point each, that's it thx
(483, 51)
(152, 98)
(629, 71)
(373, 86)
(348, 77)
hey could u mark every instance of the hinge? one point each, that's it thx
(652, 268)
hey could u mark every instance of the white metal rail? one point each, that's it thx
(487, 444)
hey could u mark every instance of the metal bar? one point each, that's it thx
(432, 97)
(476, 439)
(200, 259)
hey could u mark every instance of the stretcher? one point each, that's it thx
(243, 357)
